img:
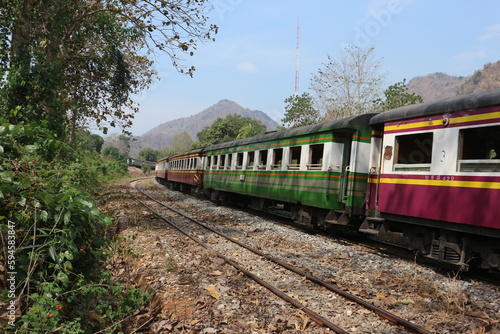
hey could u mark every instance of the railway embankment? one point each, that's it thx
(195, 291)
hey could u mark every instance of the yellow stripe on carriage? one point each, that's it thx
(455, 120)
(443, 183)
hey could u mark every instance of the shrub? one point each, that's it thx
(46, 190)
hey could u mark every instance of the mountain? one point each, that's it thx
(162, 135)
(437, 86)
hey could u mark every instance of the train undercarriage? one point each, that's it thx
(458, 248)
(450, 243)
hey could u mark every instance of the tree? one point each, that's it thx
(397, 96)
(252, 128)
(89, 140)
(114, 153)
(181, 142)
(348, 86)
(230, 128)
(74, 61)
(300, 111)
(148, 154)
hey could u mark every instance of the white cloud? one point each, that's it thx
(493, 31)
(247, 67)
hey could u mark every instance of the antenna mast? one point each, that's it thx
(297, 60)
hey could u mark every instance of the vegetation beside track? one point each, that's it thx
(54, 238)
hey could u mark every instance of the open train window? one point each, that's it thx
(277, 158)
(239, 160)
(413, 152)
(262, 159)
(480, 150)
(250, 160)
(294, 162)
(222, 162)
(316, 156)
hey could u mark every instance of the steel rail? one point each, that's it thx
(379, 311)
(313, 315)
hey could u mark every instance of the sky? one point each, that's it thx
(253, 59)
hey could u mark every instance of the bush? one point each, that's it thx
(46, 190)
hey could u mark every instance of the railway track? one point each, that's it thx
(284, 280)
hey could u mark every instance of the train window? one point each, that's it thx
(277, 158)
(222, 161)
(294, 162)
(208, 162)
(480, 149)
(315, 156)
(239, 160)
(262, 159)
(215, 162)
(413, 152)
(250, 160)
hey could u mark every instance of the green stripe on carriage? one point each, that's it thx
(319, 189)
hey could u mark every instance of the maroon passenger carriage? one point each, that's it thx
(161, 169)
(182, 171)
(435, 176)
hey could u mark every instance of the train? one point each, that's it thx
(429, 171)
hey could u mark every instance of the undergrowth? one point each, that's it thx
(53, 236)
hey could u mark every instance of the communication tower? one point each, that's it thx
(297, 52)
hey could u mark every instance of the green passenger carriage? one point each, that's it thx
(319, 172)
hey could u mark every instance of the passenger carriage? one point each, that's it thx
(319, 172)
(161, 169)
(435, 175)
(185, 171)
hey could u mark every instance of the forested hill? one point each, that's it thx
(438, 86)
(161, 136)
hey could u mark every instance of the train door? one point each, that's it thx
(346, 168)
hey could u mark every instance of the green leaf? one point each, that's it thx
(5, 177)
(44, 215)
(53, 254)
(67, 217)
(30, 148)
(68, 255)
(68, 265)
(22, 201)
(62, 277)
